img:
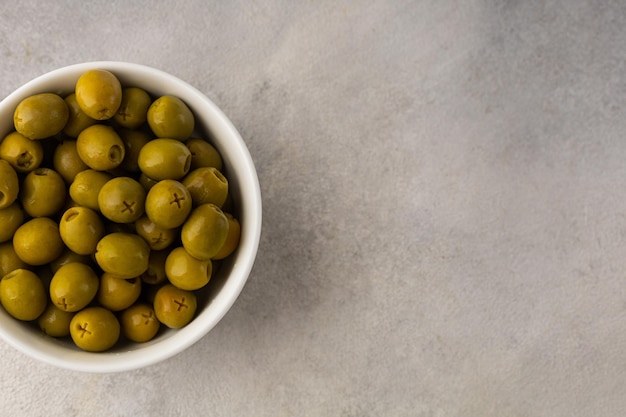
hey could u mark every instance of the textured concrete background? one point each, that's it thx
(444, 215)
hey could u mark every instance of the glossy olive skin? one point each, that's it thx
(174, 307)
(99, 94)
(9, 184)
(139, 323)
(117, 294)
(155, 274)
(232, 239)
(55, 322)
(78, 120)
(168, 204)
(43, 192)
(86, 186)
(205, 232)
(123, 254)
(100, 147)
(38, 241)
(66, 160)
(95, 329)
(133, 140)
(158, 238)
(81, 229)
(22, 294)
(122, 200)
(22, 153)
(133, 110)
(203, 154)
(162, 159)
(206, 185)
(41, 116)
(169, 117)
(73, 286)
(186, 272)
(9, 261)
(11, 218)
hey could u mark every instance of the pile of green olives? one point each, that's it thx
(114, 213)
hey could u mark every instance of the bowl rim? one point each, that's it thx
(45, 348)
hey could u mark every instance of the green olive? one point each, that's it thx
(78, 120)
(11, 218)
(139, 323)
(169, 117)
(133, 140)
(123, 254)
(162, 159)
(73, 286)
(43, 192)
(81, 229)
(95, 329)
(116, 293)
(86, 186)
(133, 109)
(55, 322)
(232, 239)
(186, 272)
(22, 294)
(203, 154)
(99, 94)
(168, 203)
(68, 256)
(100, 147)
(38, 241)
(41, 116)
(205, 231)
(122, 200)
(158, 238)
(66, 160)
(206, 185)
(155, 274)
(146, 182)
(9, 261)
(174, 307)
(9, 184)
(22, 153)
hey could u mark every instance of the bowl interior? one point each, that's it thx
(219, 295)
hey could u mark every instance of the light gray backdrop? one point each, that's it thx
(444, 216)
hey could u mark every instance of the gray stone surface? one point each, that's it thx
(444, 215)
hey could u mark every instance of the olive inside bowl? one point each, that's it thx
(219, 295)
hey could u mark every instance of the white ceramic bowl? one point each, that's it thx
(224, 288)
